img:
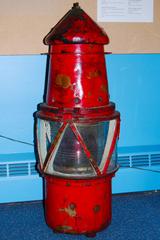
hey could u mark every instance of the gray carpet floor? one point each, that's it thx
(135, 217)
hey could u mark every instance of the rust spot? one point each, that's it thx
(77, 100)
(96, 208)
(63, 51)
(70, 210)
(74, 232)
(63, 81)
(89, 94)
(86, 184)
(68, 184)
(103, 88)
(72, 206)
(100, 99)
(63, 228)
(94, 74)
(91, 46)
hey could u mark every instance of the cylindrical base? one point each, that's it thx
(78, 206)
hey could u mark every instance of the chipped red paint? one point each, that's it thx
(77, 76)
(77, 92)
(102, 113)
(91, 199)
(76, 27)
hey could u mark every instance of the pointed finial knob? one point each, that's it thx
(75, 5)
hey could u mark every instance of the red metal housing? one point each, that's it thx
(77, 96)
(78, 206)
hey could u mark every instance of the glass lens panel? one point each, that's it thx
(95, 137)
(46, 132)
(70, 157)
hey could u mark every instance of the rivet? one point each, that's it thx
(100, 99)
(96, 208)
(72, 206)
(77, 100)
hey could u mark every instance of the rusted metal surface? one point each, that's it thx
(63, 228)
(77, 93)
(63, 81)
(70, 210)
(106, 112)
(73, 75)
(83, 206)
(76, 27)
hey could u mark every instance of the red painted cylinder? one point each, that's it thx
(77, 76)
(78, 206)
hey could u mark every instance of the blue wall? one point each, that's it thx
(134, 83)
(21, 89)
(135, 86)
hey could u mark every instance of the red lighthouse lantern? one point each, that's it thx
(77, 128)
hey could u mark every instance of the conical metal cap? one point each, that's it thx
(76, 27)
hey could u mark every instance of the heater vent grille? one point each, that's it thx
(18, 169)
(124, 161)
(3, 170)
(139, 160)
(33, 168)
(155, 159)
